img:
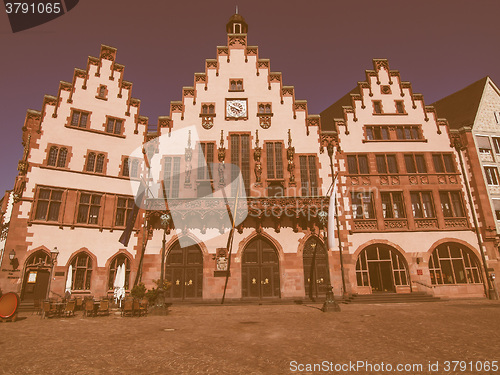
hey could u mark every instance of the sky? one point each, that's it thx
(322, 48)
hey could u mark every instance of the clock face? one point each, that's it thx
(236, 108)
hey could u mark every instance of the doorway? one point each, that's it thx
(260, 270)
(36, 276)
(184, 270)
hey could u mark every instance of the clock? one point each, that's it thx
(236, 108)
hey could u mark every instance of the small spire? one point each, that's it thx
(236, 9)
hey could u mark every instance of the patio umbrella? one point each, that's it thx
(121, 282)
(69, 279)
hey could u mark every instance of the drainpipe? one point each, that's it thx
(488, 290)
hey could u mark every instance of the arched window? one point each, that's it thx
(38, 258)
(204, 109)
(82, 271)
(61, 159)
(113, 266)
(211, 109)
(90, 162)
(452, 263)
(102, 91)
(53, 156)
(99, 165)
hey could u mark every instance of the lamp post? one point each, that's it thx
(330, 304)
(160, 300)
(53, 258)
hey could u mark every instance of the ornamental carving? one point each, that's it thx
(134, 102)
(176, 107)
(365, 180)
(252, 51)
(441, 180)
(257, 153)
(50, 100)
(313, 121)
(290, 153)
(354, 181)
(365, 225)
(413, 180)
(164, 122)
(426, 223)
(263, 64)
(384, 180)
(395, 180)
(222, 51)
(379, 64)
(287, 91)
(118, 68)
(207, 121)
(200, 77)
(275, 77)
(300, 106)
(126, 85)
(93, 60)
(453, 179)
(108, 53)
(65, 86)
(455, 223)
(396, 224)
(265, 122)
(188, 92)
(237, 39)
(424, 180)
(212, 63)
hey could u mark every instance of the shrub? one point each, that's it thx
(138, 291)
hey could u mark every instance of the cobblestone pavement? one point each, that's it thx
(255, 339)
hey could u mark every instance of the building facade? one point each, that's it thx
(404, 222)
(473, 114)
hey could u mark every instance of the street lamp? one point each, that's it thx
(160, 300)
(13, 260)
(53, 258)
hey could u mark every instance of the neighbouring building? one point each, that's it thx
(473, 114)
(404, 220)
(406, 224)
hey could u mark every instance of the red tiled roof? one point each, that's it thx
(335, 110)
(460, 108)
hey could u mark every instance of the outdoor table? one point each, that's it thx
(59, 307)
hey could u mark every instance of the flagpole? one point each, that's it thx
(231, 235)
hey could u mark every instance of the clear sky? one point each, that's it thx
(321, 47)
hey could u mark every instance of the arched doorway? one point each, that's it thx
(316, 271)
(260, 270)
(184, 269)
(382, 268)
(36, 276)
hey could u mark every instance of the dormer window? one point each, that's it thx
(207, 109)
(236, 85)
(400, 107)
(377, 106)
(237, 28)
(264, 108)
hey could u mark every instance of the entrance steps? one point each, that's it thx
(26, 306)
(391, 298)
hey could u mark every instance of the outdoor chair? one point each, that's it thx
(128, 307)
(137, 307)
(37, 307)
(49, 309)
(143, 307)
(79, 303)
(103, 307)
(88, 307)
(69, 309)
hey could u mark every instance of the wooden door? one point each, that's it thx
(316, 270)
(260, 270)
(184, 270)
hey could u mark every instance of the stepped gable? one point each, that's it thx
(380, 80)
(235, 41)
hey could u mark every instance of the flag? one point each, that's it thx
(125, 237)
(331, 216)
